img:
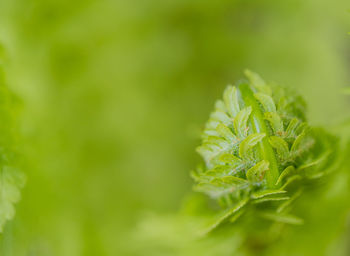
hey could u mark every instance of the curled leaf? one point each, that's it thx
(266, 101)
(286, 172)
(240, 122)
(230, 159)
(280, 145)
(268, 192)
(258, 82)
(292, 127)
(248, 143)
(226, 133)
(231, 100)
(257, 172)
(275, 121)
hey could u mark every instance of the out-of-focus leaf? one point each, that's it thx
(298, 141)
(268, 192)
(285, 205)
(286, 172)
(225, 215)
(11, 180)
(290, 180)
(269, 199)
(257, 82)
(288, 219)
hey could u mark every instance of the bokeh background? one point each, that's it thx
(114, 95)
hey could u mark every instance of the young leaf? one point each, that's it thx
(221, 117)
(298, 141)
(229, 180)
(269, 192)
(284, 205)
(226, 133)
(240, 122)
(230, 159)
(286, 172)
(280, 145)
(225, 215)
(236, 215)
(275, 121)
(220, 105)
(291, 130)
(269, 199)
(258, 82)
(248, 143)
(257, 172)
(266, 101)
(231, 100)
(283, 218)
(316, 161)
(290, 180)
(282, 103)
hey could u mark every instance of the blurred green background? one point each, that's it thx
(115, 93)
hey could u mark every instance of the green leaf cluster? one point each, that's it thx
(258, 149)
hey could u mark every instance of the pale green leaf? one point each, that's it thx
(248, 143)
(221, 117)
(292, 127)
(220, 105)
(283, 218)
(268, 192)
(269, 199)
(229, 180)
(290, 180)
(236, 215)
(240, 122)
(225, 215)
(275, 122)
(282, 103)
(226, 133)
(285, 205)
(266, 101)
(286, 172)
(280, 145)
(257, 82)
(231, 100)
(298, 141)
(257, 172)
(230, 159)
(316, 161)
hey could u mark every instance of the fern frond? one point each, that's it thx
(256, 144)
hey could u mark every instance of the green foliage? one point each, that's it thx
(11, 178)
(248, 214)
(255, 145)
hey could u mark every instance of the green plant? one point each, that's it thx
(269, 176)
(260, 153)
